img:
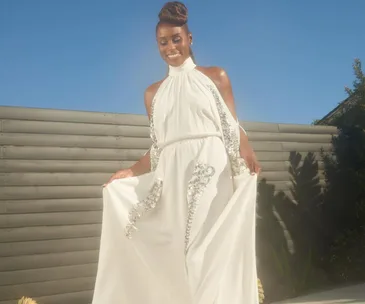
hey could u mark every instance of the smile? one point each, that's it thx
(174, 55)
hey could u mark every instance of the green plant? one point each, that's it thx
(261, 291)
(25, 300)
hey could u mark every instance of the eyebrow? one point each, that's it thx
(173, 36)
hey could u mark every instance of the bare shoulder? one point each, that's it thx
(150, 93)
(217, 74)
(220, 78)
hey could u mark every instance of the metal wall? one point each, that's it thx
(52, 166)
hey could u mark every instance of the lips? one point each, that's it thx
(173, 56)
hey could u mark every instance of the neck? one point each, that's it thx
(187, 66)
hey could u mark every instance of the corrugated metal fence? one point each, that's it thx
(52, 166)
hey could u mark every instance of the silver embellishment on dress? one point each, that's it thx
(230, 136)
(197, 184)
(144, 206)
(154, 156)
(155, 150)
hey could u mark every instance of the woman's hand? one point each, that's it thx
(252, 163)
(124, 173)
(248, 154)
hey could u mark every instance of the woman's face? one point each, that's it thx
(173, 43)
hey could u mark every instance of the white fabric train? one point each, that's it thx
(185, 232)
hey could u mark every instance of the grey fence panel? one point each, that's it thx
(49, 260)
(52, 166)
(285, 186)
(73, 153)
(49, 233)
(47, 288)
(49, 205)
(283, 155)
(47, 274)
(50, 127)
(49, 192)
(306, 129)
(69, 298)
(48, 246)
(49, 219)
(53, 179)
(289, 137)
(35, 114)
(80, 141)
(260, 126)
(281, 175)
(70, 166)
(308, 147)
(87, 166)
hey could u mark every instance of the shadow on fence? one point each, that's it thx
(290, 232)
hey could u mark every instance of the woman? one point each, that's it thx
(179, 225)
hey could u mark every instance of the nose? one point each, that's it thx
(170, 46)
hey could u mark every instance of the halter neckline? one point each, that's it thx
(187, 66)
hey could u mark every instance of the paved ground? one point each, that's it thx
(347, 295)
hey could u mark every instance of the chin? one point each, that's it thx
(175, 61)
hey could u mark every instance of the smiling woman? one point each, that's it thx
(187, 207)
(173, 35)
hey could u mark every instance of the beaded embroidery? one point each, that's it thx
(155, 150)
(230, 136)
(197, 184)
(154, 156)
(149, 203)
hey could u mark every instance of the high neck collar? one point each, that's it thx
(188, 65)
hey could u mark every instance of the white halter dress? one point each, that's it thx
(185, 232)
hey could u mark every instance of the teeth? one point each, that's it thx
(173, 56)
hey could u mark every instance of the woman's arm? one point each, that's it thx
(143, 165)
(223, 83)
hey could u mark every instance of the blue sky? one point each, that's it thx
(288, 60)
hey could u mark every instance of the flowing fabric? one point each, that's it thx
(185, 232)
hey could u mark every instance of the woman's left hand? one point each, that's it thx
(251, 162)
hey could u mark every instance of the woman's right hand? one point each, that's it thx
(124, 173)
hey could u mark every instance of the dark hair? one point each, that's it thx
(175, 13)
